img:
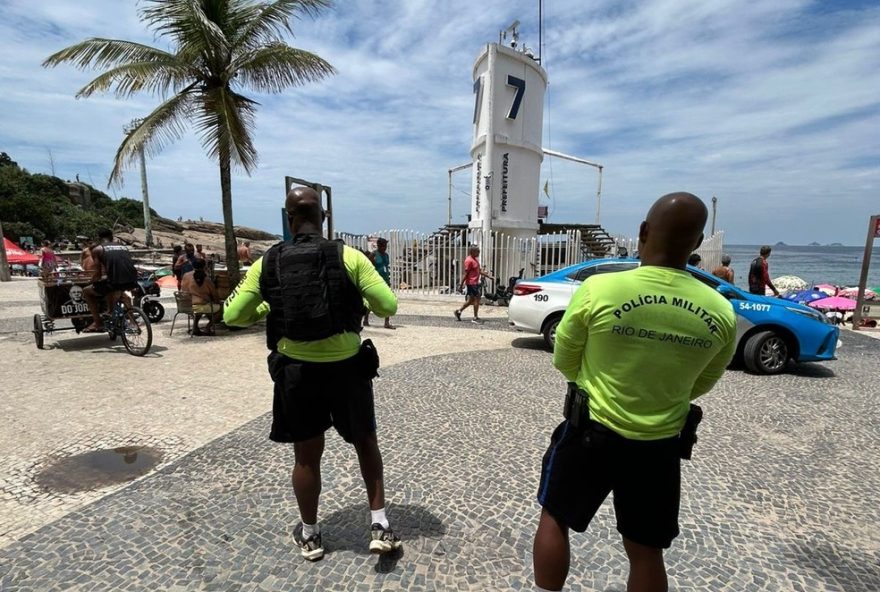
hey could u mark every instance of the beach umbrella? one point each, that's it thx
(827, 288)
(168, 281)
(805, 296)
(834, 303)
(854, 293)
(790, 283)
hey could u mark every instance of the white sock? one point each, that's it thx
(310, 529)
(378, 517)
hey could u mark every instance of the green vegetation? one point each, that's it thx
(40, 206)
(220, 48)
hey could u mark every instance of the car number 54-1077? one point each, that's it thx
(754, 306)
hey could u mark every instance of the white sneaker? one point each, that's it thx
(311, 549)
(383, 540)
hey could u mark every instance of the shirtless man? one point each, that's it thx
(244, 253)
(86, 261)
(204, 296)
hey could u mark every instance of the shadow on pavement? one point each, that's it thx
(99, 344)
(810, 370)
(837, 565)
(347, 531)
(536, 343)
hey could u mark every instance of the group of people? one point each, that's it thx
(633, 372)
(759, 271)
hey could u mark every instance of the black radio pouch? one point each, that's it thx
(688, 436)
(368, 359)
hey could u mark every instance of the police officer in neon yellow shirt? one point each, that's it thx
(640, 346)
(311, 292)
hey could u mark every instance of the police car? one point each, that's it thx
(770, 331)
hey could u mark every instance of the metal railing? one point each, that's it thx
(433, 263)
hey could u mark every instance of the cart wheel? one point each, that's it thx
(38, 330)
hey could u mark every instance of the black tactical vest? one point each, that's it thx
(308, 290)
(120, 269)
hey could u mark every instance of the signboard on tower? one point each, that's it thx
(509, 88)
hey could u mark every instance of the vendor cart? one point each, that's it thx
(61, 298)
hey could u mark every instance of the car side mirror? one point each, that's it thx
(727, 292)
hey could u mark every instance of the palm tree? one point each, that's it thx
(219, 48)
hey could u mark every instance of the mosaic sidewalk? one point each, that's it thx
(782, 494)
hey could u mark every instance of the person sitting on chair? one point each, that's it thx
(204, 296)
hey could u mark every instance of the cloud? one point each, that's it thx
(771, 106)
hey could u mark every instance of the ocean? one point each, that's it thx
(839, 266)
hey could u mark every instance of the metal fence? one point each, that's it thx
(432, 263)
(711, 251)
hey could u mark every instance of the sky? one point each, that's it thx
(773, 107)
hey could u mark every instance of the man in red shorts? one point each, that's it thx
(471, 280)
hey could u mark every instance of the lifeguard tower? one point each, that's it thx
(506, 156)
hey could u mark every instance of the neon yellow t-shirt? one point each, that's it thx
(644, 343)
(245, 306)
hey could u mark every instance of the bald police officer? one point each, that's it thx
(640, 345)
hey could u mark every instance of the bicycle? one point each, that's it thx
(130, 323)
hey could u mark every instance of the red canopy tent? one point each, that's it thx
(16, 256)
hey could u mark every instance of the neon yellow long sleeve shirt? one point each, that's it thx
(643, 344)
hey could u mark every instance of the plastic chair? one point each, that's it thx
(184, 307)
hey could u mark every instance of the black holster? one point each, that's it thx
(577, 406)
(688, 436)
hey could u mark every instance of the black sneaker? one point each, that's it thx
(383, 540)
(311, 548)
(457, 315)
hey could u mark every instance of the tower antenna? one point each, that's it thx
(540, 31)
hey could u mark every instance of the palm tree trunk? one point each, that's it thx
(228, 228)
(4, 264)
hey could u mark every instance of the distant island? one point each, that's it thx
(835, 245)
(780, 244)
(814, 244)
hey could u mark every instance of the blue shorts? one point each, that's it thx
(583, 465)
(473, 291)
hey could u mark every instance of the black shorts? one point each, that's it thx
(578, 473)
(310, 397)
(473, 291)
(103, 288)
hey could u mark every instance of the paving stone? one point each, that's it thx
(782, 494)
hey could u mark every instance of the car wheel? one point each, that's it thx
(549, 331)
(766, 353)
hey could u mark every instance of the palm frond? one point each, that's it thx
(277, 66)
(163, 126)
(267, 22)
(128, 79)
(105, 53)
(187, 23)
(224, 121)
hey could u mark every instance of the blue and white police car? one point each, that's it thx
(770, 331)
